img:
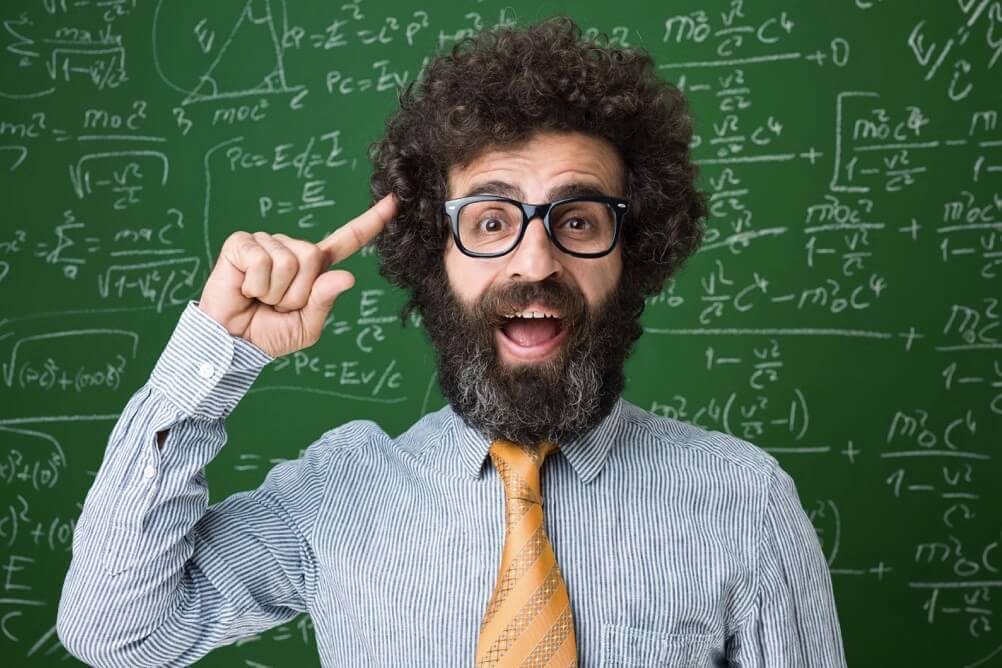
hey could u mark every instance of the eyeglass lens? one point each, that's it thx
(579, 226)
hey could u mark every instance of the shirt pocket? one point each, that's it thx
(630, 646)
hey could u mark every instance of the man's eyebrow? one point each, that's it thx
(504, 189)
(576, 190)
(495, 188)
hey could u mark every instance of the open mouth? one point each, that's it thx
(531, 338)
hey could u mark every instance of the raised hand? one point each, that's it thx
(276, 291)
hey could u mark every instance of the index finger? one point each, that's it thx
(347, 239)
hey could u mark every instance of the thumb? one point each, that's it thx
(326, 289)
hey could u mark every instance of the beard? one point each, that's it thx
(556, 399)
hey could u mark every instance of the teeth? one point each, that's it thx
(531, 314)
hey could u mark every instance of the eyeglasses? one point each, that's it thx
(491, 225)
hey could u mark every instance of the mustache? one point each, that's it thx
(551, 294)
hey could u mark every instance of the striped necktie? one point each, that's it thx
(528, 621)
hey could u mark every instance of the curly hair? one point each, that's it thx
(497, 89)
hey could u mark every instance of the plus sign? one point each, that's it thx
(811, 155)
(913, 228)
(880, 569)
(910, 335)
(850, 452)
(817, 56)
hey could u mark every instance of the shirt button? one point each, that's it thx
(149, 471)
(206, 370)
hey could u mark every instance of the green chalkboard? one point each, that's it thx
(842, 314)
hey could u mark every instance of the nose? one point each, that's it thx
(535, 257)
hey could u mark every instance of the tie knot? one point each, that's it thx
(519, 466)
(513, 452)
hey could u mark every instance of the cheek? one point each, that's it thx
(597, 282)
(469, 278)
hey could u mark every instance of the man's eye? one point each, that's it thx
(576, 224)
(492, 225)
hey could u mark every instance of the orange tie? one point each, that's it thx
(528, 621)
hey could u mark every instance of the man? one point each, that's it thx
(542, 188)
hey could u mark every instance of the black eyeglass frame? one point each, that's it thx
(452, 208)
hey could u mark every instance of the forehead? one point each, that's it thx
(544, 162)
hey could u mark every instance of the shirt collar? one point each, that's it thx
(587, 453)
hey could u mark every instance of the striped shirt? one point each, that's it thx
(679, 546)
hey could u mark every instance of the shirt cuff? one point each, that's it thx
(205, 370)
